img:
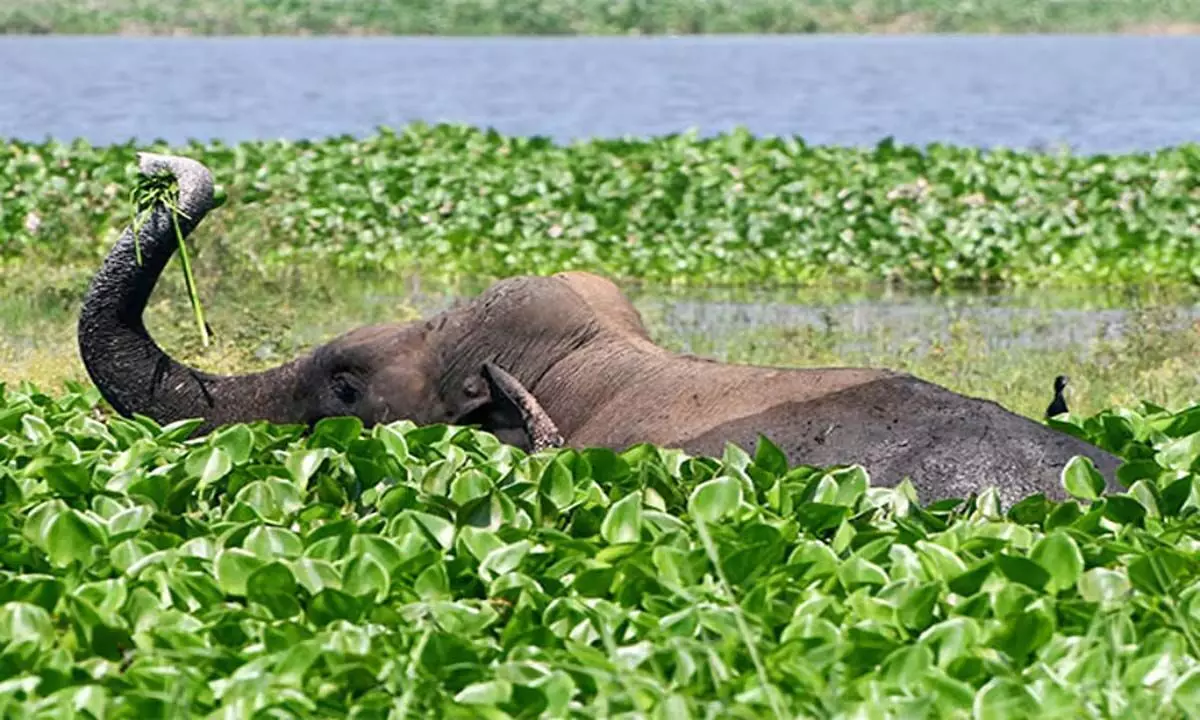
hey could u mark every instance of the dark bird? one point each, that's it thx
(1058, 405)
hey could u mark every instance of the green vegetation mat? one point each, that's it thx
(451, 200)
(593, 17)
(431, 572)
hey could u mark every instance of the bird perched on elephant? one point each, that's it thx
(581, 369)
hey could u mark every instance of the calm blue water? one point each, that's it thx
(1090, 93)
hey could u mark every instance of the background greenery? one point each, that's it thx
(594, 17)
(452, 200)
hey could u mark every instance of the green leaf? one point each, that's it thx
(70, 536)
(41, 590)
(128, 522)
(1160, 571)
(1124, 509)
(907, 667)
(433, 582)
(315, 575)
(68, 480)
(623, 523)
(263, 499)
(1001, 699)
(208, 465)
(179, 430)
(503, 559)
(714, 499)
(1023, 570)
(735, 458)
(25, 623)
(769, 457)
(269, 542)
(559, 689)
(1181, 454)
(953, 639)
(396, 499)
(1186, 695)
(469, 486)
(479, 542)
(336, 432)
(1104, 586)
(383, 549)
(236, 441)
(1060, 556)
(970, 582)
(234, 567)
(365, 576)
(492, 692)
(1081, 479)
(939, 562)
(392, 437)
(557, 485)
(303, 464)
(1176, 495)
(273, 586)
(36, 430)
(489, 512)
(331, 605)
(819, 517)
(852, 485)
(857, 571)
(597, 582)
(440, 529)
(1024, 632)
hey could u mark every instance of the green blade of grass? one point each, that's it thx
(148, 193)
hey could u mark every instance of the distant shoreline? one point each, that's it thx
(483, 18)
(1163, 30)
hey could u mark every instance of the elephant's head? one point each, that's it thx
(379, 373)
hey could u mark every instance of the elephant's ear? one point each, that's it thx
(511, 412)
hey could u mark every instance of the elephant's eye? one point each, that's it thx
(345, 389)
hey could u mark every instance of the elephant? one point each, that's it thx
(134, 375)
(575, 351)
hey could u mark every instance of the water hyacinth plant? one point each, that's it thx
(411, 572)
(454, 201)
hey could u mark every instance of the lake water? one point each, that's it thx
(1092, 94)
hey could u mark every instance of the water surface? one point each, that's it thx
(1094, 94)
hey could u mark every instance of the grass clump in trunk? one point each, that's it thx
(149, 192)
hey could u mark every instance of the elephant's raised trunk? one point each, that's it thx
(130, 369)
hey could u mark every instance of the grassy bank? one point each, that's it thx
(413, 572)
(735, 209)
(594, 17)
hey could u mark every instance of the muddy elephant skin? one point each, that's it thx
(579, 346)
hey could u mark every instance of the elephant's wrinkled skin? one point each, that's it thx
(580, 347)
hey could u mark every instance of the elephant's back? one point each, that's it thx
(669, 400)
(950, 445)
